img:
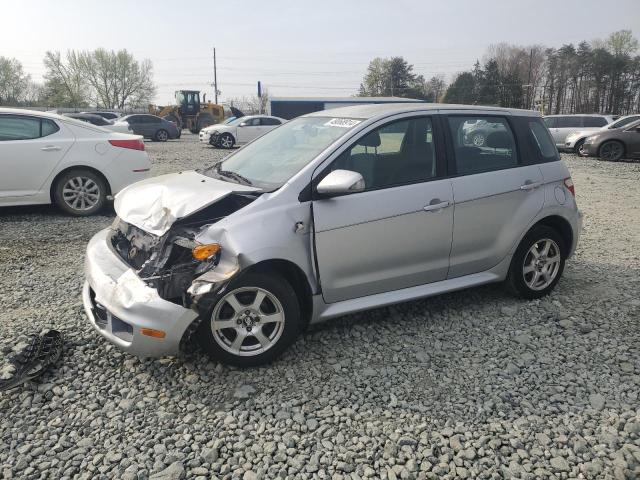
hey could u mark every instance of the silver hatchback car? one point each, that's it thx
(331, 213)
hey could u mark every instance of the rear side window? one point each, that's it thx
(594, 121)
(482, 144)
(543, 141)
(17, 127)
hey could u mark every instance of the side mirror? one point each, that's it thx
(243, 124)
(340, 182)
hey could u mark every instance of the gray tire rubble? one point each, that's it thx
(474, 384)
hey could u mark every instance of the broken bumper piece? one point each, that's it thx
(120, 306)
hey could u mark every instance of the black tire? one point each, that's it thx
(285, 295)
(161, 135)
(205, 120)
(70, 178)
(612, 150)
(517, 279)
(226, 140)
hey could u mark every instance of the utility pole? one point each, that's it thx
(529, 99)
(215, 77)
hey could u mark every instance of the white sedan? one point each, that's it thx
(48, 158)
(239, 131)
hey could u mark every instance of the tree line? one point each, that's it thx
(101, 78)
(601, 76)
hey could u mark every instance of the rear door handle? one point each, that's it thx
(50, 148)
(436, 206)
(530, 186)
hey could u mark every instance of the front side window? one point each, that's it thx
(275, 157)
(269, 121)
(397, 153)
(480, 147)
(17, 127)
(594, 121)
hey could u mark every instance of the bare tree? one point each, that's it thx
(117, 79)
(65, 83)
(253, 104)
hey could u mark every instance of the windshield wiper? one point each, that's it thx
(233, 175)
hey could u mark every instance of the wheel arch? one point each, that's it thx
(77, 167)
(296, 278)
(562, 226)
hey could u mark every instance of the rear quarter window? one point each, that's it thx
(540, 139)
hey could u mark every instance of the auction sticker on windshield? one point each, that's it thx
(342, 122)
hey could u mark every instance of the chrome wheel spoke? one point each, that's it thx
(233, 302)
(541, 264)
(260, 295)
(272, 318)
(220, 324)
(239, 340)
(260, 336)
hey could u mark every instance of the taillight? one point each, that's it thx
(569, 184)
(136, 144)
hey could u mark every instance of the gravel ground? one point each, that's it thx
(473, 384)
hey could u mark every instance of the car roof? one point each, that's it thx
(368, 111)
(22, 111)
(579, 115)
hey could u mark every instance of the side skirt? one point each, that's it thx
(323, 311)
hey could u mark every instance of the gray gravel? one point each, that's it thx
(473, 384)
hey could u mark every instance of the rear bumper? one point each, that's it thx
(119, 304)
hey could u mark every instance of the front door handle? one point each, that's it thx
(530, 186)
(436, 204)
(50, 148)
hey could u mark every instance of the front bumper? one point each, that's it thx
(590, 149)
(204, 137)
(119, 304)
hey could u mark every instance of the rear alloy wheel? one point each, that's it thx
(162, 135)
(478, 140)
(252, 322)
(226, 140)
(612, 151)
(80, 192)
(538, 263)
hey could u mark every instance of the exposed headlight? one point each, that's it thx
(205, 252)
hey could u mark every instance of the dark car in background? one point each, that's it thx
(107, 115)
(90, 118)
(614, 144)
(151, 126)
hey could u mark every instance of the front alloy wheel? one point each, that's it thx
(227, 141)
(252, 322)
(247, 321)
(612, 151)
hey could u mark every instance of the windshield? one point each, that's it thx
(624, 121)
(275, 157)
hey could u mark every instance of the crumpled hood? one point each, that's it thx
(156, 203)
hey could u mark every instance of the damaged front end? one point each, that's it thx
(168, 262)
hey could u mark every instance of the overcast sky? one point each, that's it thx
(298, 47)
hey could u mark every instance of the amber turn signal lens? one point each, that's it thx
(205, 252)
(150, 332)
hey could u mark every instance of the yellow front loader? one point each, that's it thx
(189, 113)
